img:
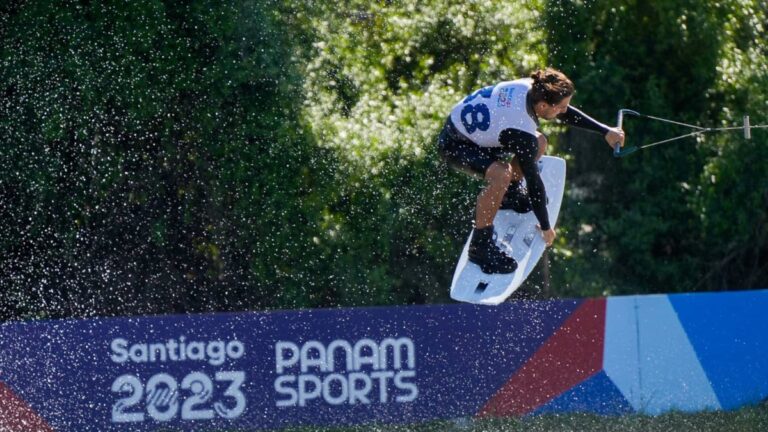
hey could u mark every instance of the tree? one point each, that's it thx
(151, 161)
(638, 221)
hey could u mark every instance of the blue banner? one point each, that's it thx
(388, 365)
(272, 369)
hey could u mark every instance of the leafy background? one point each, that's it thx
(187, 156)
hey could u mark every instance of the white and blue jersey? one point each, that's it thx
(483, 115)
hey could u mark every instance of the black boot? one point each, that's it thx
(484, 252)
(516, 199)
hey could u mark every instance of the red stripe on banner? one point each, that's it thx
(571, 355)
(17, 416)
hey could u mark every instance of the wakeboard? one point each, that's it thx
(516, 234)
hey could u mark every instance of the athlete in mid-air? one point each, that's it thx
(493, 134)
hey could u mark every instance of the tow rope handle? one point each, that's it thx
(747, 132)
(617, 151)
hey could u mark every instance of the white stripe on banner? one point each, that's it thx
(648, 356)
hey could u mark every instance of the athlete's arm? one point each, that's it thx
(525, 146)
(575, 117)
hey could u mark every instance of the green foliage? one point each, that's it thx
(162, 156)
(731, 196)
(153, 159)
(645, 212)
(380, 80)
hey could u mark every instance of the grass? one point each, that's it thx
(744, 420)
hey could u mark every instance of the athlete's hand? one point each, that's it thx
(613, 136)
(549, 235)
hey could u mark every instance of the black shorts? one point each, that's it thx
(463, 155)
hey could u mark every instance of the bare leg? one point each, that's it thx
(482, 249)
(498, 176)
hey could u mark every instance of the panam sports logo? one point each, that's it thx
(343, 372)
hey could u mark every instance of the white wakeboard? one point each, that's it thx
(516, 234)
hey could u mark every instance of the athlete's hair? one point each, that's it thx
(551, 86)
